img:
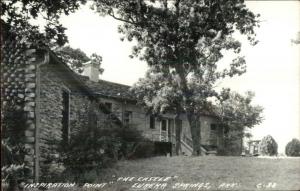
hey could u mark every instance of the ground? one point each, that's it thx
(204, 173)
(196, 173)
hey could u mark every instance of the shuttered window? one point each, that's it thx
(152, 122)
(65, 116)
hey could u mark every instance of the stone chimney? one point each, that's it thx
(92, 70)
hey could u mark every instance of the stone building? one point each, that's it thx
(56, 102)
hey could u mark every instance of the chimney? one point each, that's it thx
(92, 70)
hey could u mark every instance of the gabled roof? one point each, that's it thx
(71, 75)
(121, 92)
(109, 89)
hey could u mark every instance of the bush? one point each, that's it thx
(229, 150)
(14, 170)
(232, 146)
(89, 149)
(130, 139)
(268, 146)
(162, 148)
(94, 148)
(142, 150)
(293, 148)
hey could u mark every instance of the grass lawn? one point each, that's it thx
(214, 172)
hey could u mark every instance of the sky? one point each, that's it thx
(273, 65)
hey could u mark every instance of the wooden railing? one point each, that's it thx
(188, 141)
(185, 141)
(157, 137)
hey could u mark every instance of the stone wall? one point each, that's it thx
(53, 82)
(19, 60)
(50, 130)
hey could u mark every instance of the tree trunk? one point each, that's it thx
(178, 129)
(192, 116)
(193, 120)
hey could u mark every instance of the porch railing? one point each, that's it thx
(188, 141)
(185, 141)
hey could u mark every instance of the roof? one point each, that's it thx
(109, 89)
(113, 90)
(121, 92)
(83, 86)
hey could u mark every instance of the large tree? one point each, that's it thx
(19, 14)
(186, 39)
(17, 17)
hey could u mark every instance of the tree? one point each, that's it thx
(186, 39)
(268, 146)
(238, 114)
(76, 58)
(18, 15)
(293, 148)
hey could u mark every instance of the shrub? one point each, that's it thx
(232, 149)
(293, 148)
(92, 149)
(162, 148)
(14, 170)
(142, 150)
(268, 146)
(232, 145)
(130, 137)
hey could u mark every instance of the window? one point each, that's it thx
(65, 116)
(164, 125)
(108, 105)
(152, 122)
(127, 117)
(213, 135)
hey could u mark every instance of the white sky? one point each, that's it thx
(273, 66)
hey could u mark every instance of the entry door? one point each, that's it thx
(164, 130)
